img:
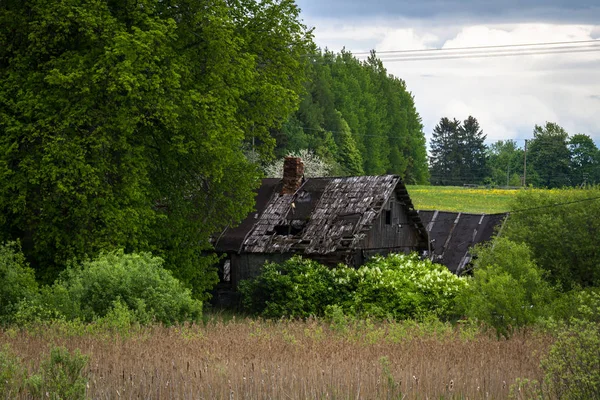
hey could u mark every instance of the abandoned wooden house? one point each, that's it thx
(453, 234)
(332, 220)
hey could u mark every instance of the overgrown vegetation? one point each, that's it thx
(115, 286)
(17, 281)
(396, 287)
(61, 375)
(562, 237)
(300, 359)
(508, 290)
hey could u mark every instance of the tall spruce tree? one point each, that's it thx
(458, 153)
(474, 152)
(445, 160)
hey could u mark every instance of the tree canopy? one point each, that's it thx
(458, 152)
(354, 114)
(122, 124)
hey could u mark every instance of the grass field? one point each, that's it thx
(248, 359)
(453, 198)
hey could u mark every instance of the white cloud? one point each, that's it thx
(508, 95)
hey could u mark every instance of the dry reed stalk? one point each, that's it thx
(294, 360)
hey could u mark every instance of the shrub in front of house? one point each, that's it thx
(508, 290)
(398, 286)
(135, 282)
(402, 286)
(296, 288)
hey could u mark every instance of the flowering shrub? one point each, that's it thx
(403, 286)
(398, 286)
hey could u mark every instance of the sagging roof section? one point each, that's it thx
(453, 234)
(344, 209)
(323, 216)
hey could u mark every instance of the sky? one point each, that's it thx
(508, 95)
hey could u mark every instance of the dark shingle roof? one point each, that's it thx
(453, 234)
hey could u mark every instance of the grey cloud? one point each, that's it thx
(514, 10)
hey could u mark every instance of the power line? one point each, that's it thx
(478, 47)
(489, 55)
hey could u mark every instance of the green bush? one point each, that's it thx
(61, 376)
(572, 366)
(12, 374)
(507, 290)
(296, 288)
(398, 286)
(17, 281)
(403, 286)
(563, 239)
(91, 290)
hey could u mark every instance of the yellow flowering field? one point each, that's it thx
(456, 198)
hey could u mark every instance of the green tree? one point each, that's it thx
(445, 160)
(348, 156)
(380, 114)
(458, 152)
(508, 290)
(549, 155)
(475, 162)
(505, 160)
(585, 160)
(122, 124)
(17, 281)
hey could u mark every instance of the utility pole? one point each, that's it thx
(525, 167)
(508, 174)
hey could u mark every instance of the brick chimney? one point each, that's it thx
(293, 172)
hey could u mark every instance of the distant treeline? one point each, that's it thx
(552, 158)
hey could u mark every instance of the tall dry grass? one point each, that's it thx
(294, 360)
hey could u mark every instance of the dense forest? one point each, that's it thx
(358, 118)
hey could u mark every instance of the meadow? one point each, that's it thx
(461, 199)
(257, 359)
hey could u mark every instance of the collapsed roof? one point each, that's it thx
(324, 215)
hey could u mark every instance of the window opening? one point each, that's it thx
(388, 217)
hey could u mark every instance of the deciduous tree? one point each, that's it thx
(122, 124)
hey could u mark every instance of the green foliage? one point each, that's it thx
(563, 238)
(369, 114)
(115, 282)
(508, 290)
(585, 160)
(122, 124)
(458, 152)
(60, 376)
(397, 286)
(572, 367)
(296, 288)
(17, 281)
(403, 286)
(12, 373)
(505, 160)
(549, 155)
